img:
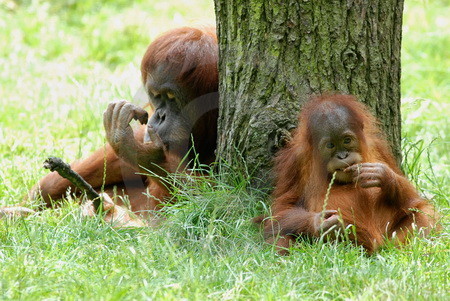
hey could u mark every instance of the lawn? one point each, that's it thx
(62, 62)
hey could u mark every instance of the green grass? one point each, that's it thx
(61, 62)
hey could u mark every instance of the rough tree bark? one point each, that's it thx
(274, 54)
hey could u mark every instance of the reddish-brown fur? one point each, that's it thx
(186, 49)
(187, 56)
(378, 213)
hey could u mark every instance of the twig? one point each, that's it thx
(64, 170)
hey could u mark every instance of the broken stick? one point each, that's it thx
(64, 170)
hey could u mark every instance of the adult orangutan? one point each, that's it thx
(179, 72)
(338, 140)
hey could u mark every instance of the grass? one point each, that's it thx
(56, 78)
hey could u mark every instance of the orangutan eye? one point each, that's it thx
(170, 95)
(329, 145)
(153, 94)
(347, 140)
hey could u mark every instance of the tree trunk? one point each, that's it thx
(274, 54)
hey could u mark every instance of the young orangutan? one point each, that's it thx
(338, 139)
